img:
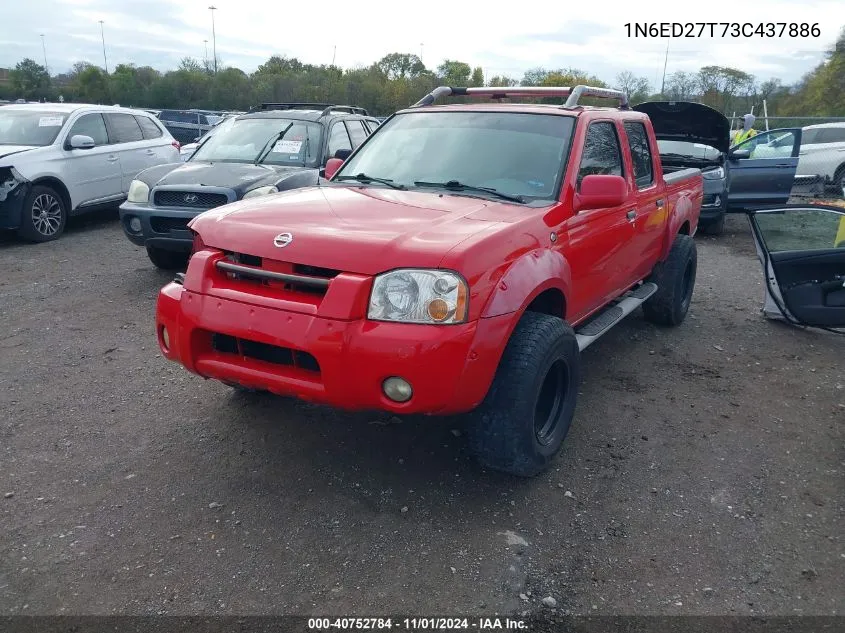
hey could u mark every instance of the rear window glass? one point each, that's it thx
(125, 127)
(148, 127)
(640, 154)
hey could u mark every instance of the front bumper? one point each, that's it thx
(160, 227)
(714, 204)
(334, 361)
(13, 193)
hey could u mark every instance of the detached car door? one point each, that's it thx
(802, 249)
(761, 170)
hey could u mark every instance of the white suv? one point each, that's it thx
(823, 153)
(60, 159)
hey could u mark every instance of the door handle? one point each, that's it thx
(112, 158)
(632, 214)
(150, 152)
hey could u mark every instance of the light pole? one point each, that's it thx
(665, 61)
(212, 8)
(206, 53)
(44, 48)
(103, 37)
(421, 51)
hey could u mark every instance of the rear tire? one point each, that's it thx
(44, 215)
(521, 424)
(714, 227)
(675, 279)
(168, 260)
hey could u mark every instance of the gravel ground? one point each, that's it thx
(703, 473)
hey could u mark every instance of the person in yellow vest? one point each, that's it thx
(839, 242)
(747, 130)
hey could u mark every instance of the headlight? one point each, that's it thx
(419, 296)
(261, 191)
(714, 174)
(138, 192)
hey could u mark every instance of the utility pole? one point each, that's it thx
(334, 54)
(105, 61)
(44, 48)
(212, 8)
(665, 62)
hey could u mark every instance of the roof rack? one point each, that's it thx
(573, 95)
(324, 107)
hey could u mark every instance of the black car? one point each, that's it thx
(275, 148)
(188, 125)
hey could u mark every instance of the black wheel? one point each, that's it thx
(168, 260)
(675, 279)
(839, 179)
(521, 424)
(713, 227)
(44, 215)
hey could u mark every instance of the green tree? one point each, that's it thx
(477, 78)
(637, 88)
(92, 85)
(454, 73)
(30, 80)
(400, 66)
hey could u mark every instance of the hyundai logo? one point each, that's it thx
(282, 240)
(191, 198)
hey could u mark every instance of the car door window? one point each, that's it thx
(640, 154)
(801, 230)
(602, 154)
(774, 144)
(356, 132)
(90, 125)
(372, 124)
(125, 128)
(148, 127)
(338, 138)
(833, 135)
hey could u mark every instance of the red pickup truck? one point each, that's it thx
(457, 262)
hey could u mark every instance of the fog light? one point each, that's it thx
(397, 389)
(135, 224)
(717, 201)
(165, 338)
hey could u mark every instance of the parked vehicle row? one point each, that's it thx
(273, 149)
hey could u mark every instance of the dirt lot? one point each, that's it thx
(703, 473)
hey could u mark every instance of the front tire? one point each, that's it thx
(714, 227)
(521, 424)
(168, 260)
(675, 279)
(44, 215)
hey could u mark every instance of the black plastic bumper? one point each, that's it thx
(13, 193)
(160, 228)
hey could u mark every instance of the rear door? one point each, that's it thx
(160, 148)
(802, 249)
(597, 238)
(761, 170)
(648, 215)
(129, 144)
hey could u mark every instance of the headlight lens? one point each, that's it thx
(714, 174)
(261, 191)
(419, 296)
(138, 192)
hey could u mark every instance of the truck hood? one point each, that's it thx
(8, 150)
(238, 176)
(364, 230)
(687, 121)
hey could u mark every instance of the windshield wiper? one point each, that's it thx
(456, 185)
(269, 145)
(365, 178)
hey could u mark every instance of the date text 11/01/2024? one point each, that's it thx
(421, 624)
(722, 29)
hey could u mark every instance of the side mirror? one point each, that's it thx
(332, 165)
(343, 154)
(80, 141)
(739, 154)
(599, 191)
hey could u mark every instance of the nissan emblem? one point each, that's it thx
(282, 240)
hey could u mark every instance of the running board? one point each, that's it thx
(601, 324)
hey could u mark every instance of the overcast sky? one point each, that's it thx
(521, 35)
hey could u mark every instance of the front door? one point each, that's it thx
(93, 175)
(761, 170)
(802, 249)
(596, 239)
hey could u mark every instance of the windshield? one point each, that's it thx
(243, 139)
(515, 154)
(693, 150)
(28, 127)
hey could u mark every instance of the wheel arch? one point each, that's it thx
(59, 187)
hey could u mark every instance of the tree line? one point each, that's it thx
(399, 79)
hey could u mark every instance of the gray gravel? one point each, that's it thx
(703, 473)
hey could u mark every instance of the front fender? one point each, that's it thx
(528, 276)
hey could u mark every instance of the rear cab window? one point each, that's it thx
(641, 156)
